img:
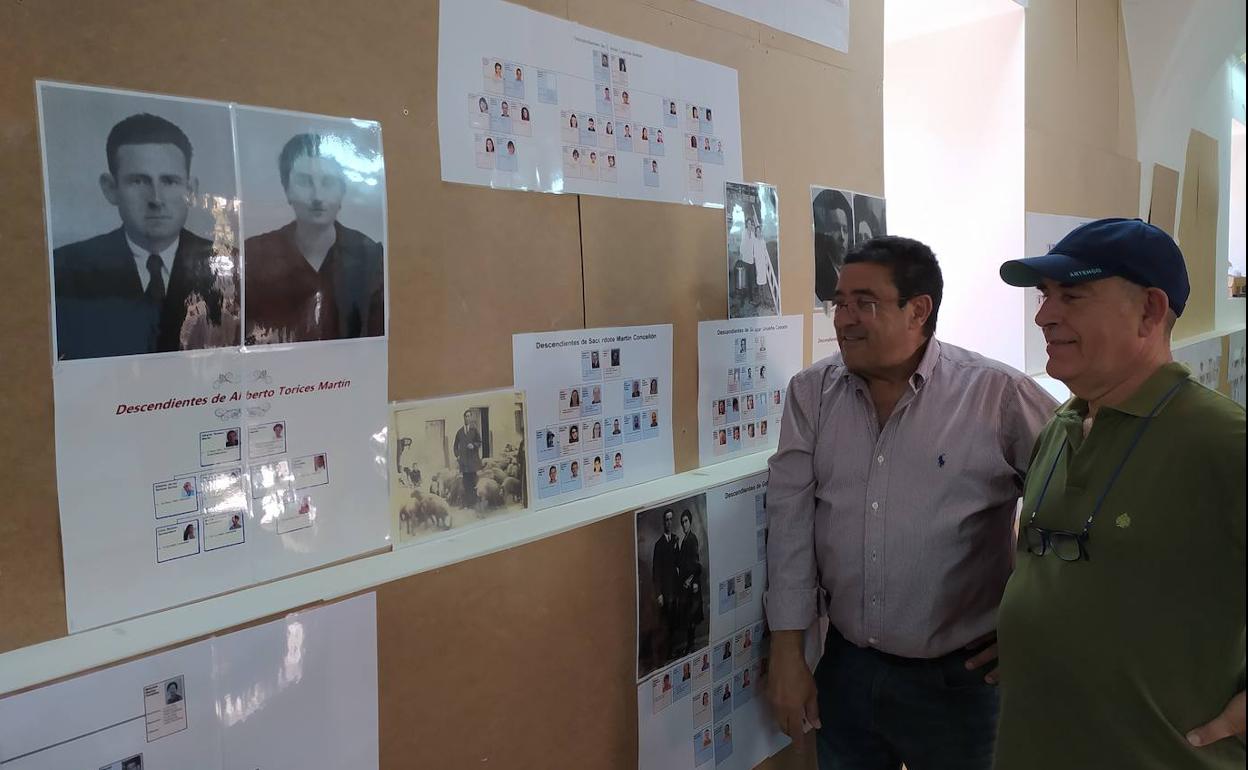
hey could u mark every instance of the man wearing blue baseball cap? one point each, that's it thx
(1122, 629)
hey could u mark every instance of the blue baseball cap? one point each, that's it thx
(1127, 248)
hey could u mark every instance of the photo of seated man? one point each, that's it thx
(313, 277)
(131, 274)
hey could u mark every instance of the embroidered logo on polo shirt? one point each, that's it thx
(940, 461)
(1123, 521)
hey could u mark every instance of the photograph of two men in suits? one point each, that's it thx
(144, 227)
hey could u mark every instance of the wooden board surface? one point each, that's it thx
(522, 658)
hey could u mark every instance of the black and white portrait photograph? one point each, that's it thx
(456, 461)
(834, 223)
(313, 192)
(753, 233)
(869, 220)
(142, 222)
(673, 605)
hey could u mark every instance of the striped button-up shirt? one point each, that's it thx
(906, 527)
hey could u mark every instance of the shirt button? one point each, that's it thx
(880, 459)
(873, 600)
(875, 506)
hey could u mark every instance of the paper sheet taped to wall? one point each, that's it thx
(219, 365)
(300, 692)
(528, 101)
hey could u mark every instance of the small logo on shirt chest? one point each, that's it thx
(1123, 521)
(940, 461)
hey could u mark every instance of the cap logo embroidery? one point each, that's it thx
(1123, 521)
(1080, 273)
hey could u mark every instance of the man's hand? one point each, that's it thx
(790, 685)
(988, 655)
(1230, 722)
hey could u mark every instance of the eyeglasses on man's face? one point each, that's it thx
(863, 307)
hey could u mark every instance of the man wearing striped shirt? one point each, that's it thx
(892, 504)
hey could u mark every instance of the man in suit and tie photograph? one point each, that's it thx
(665, 580)
(314, 278)
(150, 285)
(467, 450)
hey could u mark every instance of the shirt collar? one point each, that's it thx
(1145, 399)
(922, 373)
(927, 365)
(166, 255)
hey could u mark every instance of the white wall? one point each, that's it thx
(1186, 74)
(953, 164)
(1235, 229)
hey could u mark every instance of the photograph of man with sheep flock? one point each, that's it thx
(456, 461)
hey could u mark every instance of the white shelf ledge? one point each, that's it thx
(29, 666)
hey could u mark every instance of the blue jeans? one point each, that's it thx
(879, 711)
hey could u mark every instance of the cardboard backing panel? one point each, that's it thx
(1198, 234)
(1127, 141)
(524, 657)
(1163, 198)
(1065, 177)
(1080, 111)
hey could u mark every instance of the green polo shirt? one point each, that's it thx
(1109, 662)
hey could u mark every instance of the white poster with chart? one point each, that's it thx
(825, 22)
(529, 101)
(298, 693)
(744, 368)
(823, 342)
(219, 344)
(599, 409)
(1235, 366)
(1204, 359)
(701, 635)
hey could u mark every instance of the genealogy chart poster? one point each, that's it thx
(702, 640)
(219, 338)
(298, 693)
(1235, 366)
(528, 101)
(744, 368)
(599, 409)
